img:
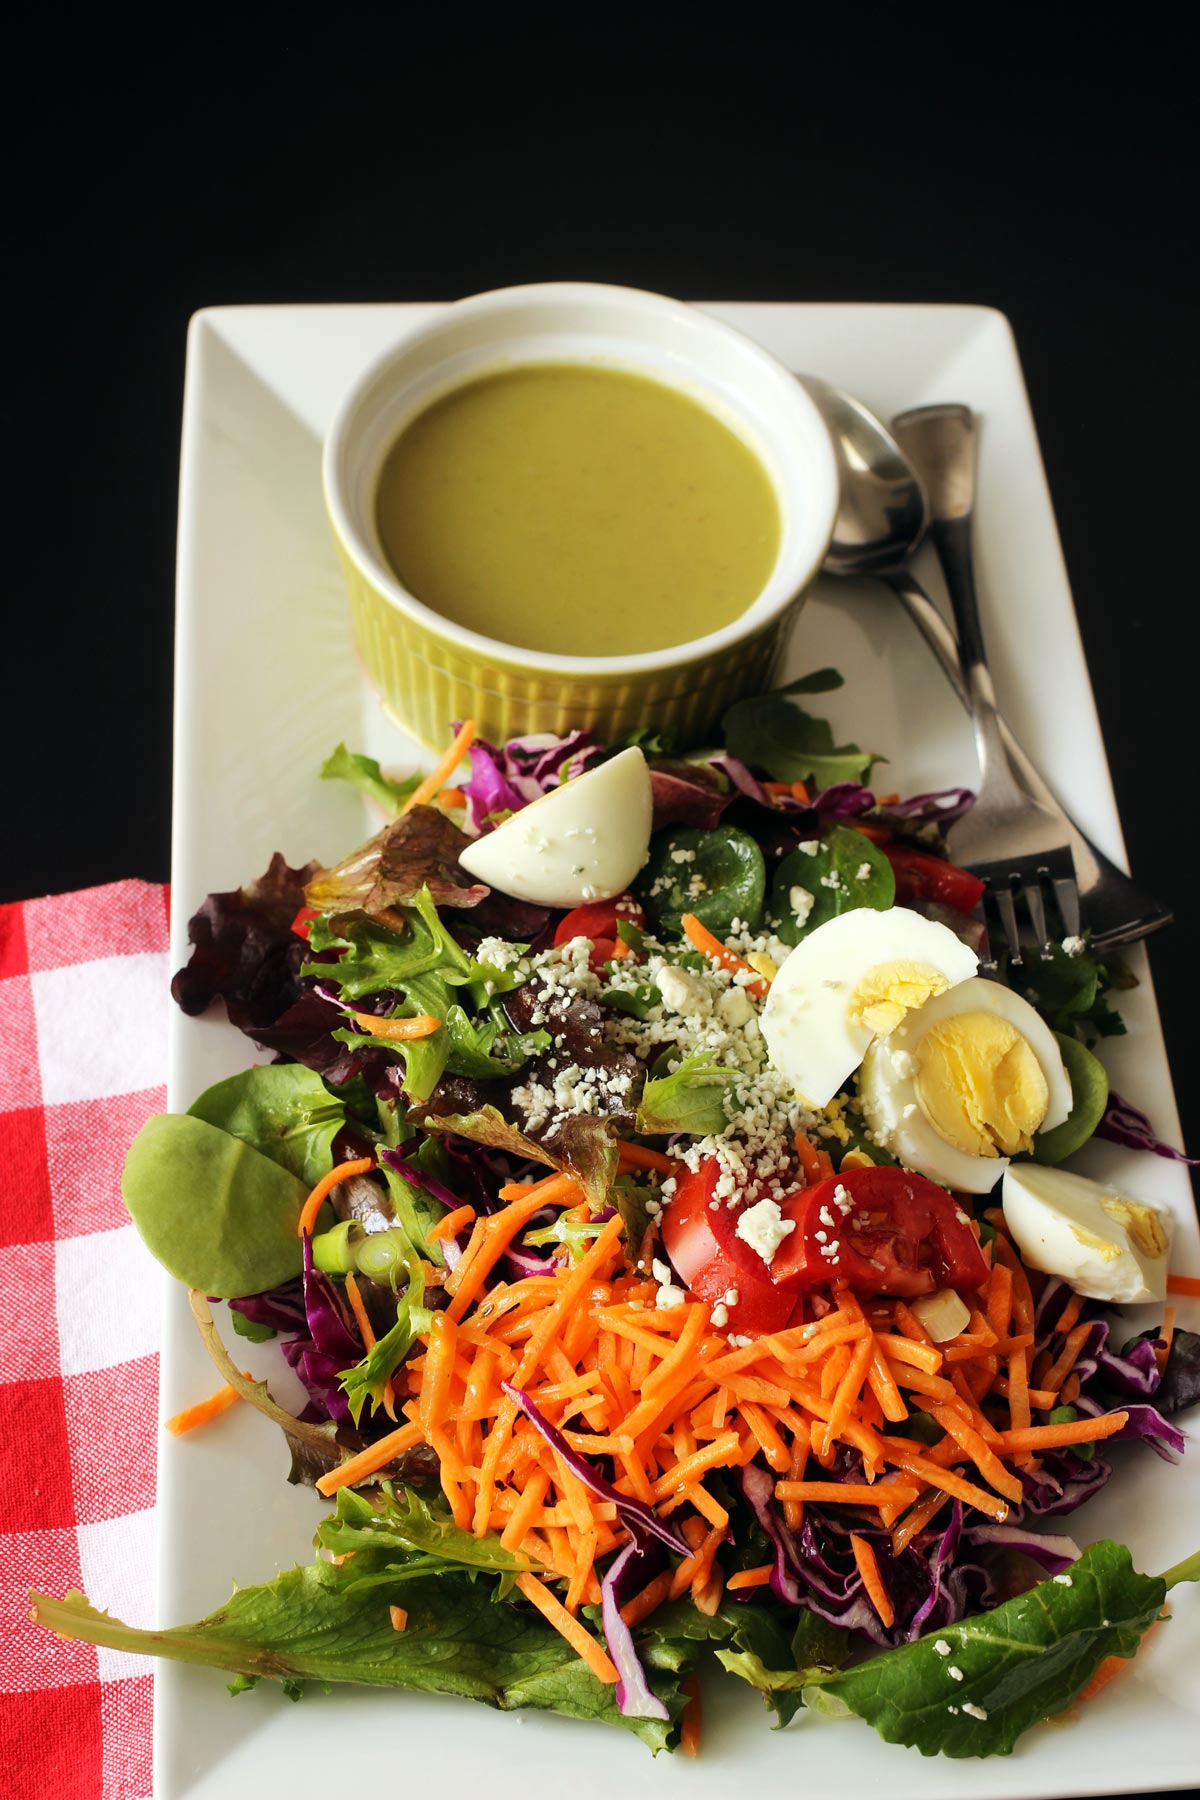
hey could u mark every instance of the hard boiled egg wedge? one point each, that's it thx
(855, 978)
(963, 1083)
(583, 841)
(1106, 1245)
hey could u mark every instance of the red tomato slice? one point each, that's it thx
(598, 919)
(900, 1234)
(923, 877)
(304, 919)
(707, 1255)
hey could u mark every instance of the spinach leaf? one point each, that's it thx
(770, 732)
(1020, 1663)
(282, 1109)
(1071, 992)
(719, 875)
(217, 1213)
(844, 871)
(1089, 1097)
(364, 773)
(750, 1641)
(315, 1623)
(691, 1100)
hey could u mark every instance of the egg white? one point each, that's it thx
(888, 1091)
(806, 1020)
(1059, 1224)
(583, 841)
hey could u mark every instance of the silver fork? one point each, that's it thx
(1019, 844)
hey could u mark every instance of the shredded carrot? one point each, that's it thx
(1184, 1284)
(815, 1165)
(376, 1456)
(985, 1460)
(1058, 1371)
(800, 792)
(777, 787)
(452, 798)
(205, 1410)
(640, 1156)
(437, 778)
(368, 1338)
(400, 1031)
(580, 1640)
(750, 1578)
(450, 1224)
(342, 1172)
(868, 1567)
(916, 1520)
(712, 946)
(691, 1718)
(1168, 1335)
(647, 1601)
(849, 1493)
(1052, 1437)
(399, 1618)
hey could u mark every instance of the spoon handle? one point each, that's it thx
(940, 442)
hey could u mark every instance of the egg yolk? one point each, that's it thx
(890, 991)
(1143, 1223)
(980, 1085)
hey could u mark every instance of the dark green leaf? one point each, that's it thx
(637, 1002)
(818, 681)
(770, 732)
(315, 1623)
(1089, 1097)
(214, 1211)
(488, 1048)
(397, 1524)
(1020, 1663)
(691, 1100)
(364, 773)
(249, 1328)
(846, 870)
(719, 875)
(368, 1378)
(282, 1109)
(1071, 992)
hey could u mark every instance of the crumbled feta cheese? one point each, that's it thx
(904, 1064)
(801, 903)
(735, 1007)
(954, 1672)
(1074, 946)
(942, 1647)
(1063, 1580)
(731, 1296)
(863, 872)
(832, 880)
(976, 1712)
(739, 1340)
(764, 1228)
(809, 847)
(684, 992)
(719, 1315)
(668, 1294)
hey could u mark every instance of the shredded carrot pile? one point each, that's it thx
(668, 1401)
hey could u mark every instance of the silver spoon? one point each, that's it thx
(882, 517)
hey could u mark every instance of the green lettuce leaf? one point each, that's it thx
(770, 732)
(282, 1109)
(317, 1623)
(1020, 1663)
(691, 1100)
(368, 1378)
(398, 1529)
(364, 773)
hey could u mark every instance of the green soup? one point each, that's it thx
(578, 510)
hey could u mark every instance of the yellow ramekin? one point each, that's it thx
(431, 671)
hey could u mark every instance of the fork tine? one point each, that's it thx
(1032, 893)
(1003, 898)
(1067, 895)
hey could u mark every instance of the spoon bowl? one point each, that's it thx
(882, 507)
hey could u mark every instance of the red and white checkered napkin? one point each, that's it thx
(83, 1017)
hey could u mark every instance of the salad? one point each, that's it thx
(664, 1218)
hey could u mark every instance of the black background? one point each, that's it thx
(1031, 158)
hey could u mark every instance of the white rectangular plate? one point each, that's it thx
(267, 684)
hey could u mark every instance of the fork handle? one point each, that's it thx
(1134, 914)
(952, 539)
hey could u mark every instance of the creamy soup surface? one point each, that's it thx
(578, 510)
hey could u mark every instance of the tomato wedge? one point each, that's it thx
(920, 876)
(303, 920)
(882, 1231)
(710, 1258)
(597, 919)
